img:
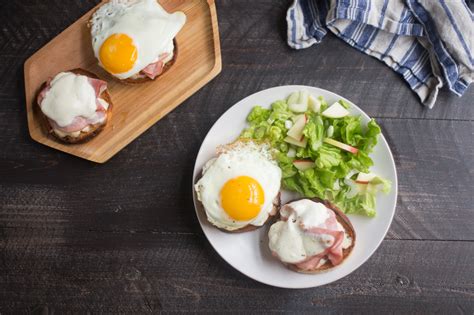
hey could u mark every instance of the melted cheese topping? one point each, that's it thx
(69, 96)
(288, 239)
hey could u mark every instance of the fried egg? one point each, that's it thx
(238, 187)
(128, 35)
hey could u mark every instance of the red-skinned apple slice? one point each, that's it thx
(341, 145)
(365, 178)
(303, 165)
(296, 131)
(298, 143)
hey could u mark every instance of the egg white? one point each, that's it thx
(151, 28)
(246, 159)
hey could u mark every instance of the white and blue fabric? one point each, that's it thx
(429, 42)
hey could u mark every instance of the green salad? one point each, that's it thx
(323, 151)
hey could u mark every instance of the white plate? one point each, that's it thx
(248, 252)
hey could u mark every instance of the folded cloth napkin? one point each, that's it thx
(429, 42)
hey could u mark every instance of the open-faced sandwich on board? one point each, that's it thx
(76, 105)
(311, 236)
(134, 39)
(240, 188)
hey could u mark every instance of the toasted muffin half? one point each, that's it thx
(92, 130)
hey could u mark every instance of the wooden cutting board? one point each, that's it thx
(136, 107)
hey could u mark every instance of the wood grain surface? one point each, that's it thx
(123, 237)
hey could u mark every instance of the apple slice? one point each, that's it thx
(365, 178)
(330, 131)
(314, 104)
(293, 98)
(298, 143)
(304, 96)
(291, 152)
(298, 101)
(298, 107)
(341, 145)
(336, 110)
(303, 165)
(361, 188)
(296, 131)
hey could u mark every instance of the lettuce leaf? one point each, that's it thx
(258, 114)
(364, 201)
(314, 132)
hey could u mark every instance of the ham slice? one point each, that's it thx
(79, 122)
(99, 87)
(156, 68)
(311, 262)
(334, 253)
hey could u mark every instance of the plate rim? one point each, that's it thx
(381, 139)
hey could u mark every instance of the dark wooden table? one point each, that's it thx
(123, 237)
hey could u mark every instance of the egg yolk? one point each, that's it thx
(242, 198)
(118, 53)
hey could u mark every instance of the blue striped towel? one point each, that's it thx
(429, 42)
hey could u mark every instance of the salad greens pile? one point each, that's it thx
(323, 151)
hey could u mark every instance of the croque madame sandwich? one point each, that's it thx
(240, 188)
(311, 236)
(76, 105)
(134, 39)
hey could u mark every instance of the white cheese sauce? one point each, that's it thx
(69, 96)
(288, 239)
